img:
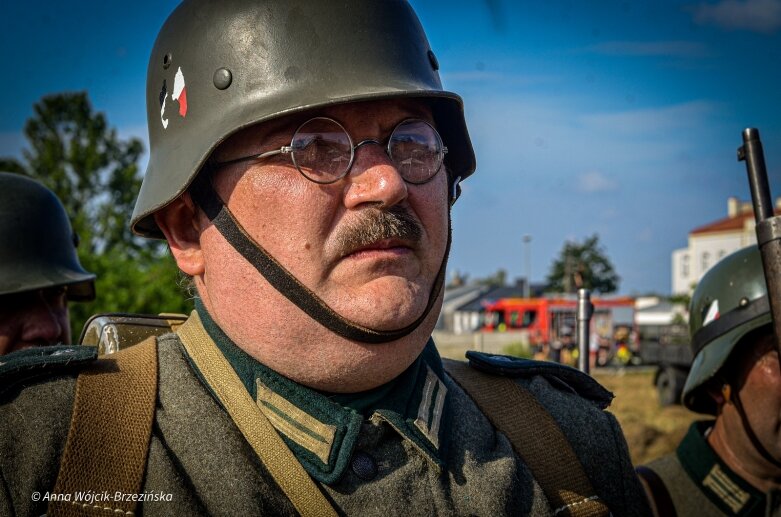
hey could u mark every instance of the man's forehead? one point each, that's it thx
(385, 113)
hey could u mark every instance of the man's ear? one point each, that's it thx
(179, 223)
(720, 391)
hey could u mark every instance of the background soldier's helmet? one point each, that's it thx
(218, 67)
(729, 302)
(37, 244)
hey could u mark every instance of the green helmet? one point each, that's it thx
(218, 67)
(729, 302)
(37, 244)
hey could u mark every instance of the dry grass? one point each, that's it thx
(651, 431)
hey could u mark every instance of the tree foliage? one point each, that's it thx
(498, 279)
(582, 265)
(73, 151)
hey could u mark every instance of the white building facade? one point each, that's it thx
(711, 242)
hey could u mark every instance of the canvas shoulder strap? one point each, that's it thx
(278, 459)
(656, 491)
(535, 437)
(109, 433)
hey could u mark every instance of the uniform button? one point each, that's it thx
(364, 466)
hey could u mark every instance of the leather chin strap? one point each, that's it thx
(204, 195)
(735, 399)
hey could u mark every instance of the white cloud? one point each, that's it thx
(751, 15)
(650, 48)
(592, 182)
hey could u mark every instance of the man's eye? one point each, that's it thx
(55, 293)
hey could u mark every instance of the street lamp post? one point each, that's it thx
(527, 241)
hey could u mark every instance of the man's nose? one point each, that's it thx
(46, 321)
(374, 178)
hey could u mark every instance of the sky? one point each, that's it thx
(620, 118)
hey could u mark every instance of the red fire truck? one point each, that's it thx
(541, 321)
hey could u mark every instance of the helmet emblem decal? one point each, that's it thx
(179, 94)
(712, 313)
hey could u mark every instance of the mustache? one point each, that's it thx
(376, 225)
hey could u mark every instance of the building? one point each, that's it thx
(464, 306)
(711, 242)
(652, 314)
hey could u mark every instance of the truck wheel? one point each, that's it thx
(669, 385)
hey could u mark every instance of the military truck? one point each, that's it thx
(667, 348)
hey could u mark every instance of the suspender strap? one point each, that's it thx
(280, 462)
(657, 493)
(536, 438)
(109, 435)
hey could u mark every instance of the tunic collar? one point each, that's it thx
(322, 428)
(728, 491)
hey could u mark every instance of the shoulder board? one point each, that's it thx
(560, 376)
(32, 362)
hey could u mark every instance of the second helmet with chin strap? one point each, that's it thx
(729, 302)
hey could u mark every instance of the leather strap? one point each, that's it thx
(658, 496)
(280, 461)
(535, 437)
(111, 425)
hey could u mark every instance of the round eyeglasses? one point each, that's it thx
(323, 152)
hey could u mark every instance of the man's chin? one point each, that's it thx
(389, 313)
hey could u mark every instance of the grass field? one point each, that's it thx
(651, 431)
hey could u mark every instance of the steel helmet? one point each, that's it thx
(729, 302)
(220, 66)
(37, 244)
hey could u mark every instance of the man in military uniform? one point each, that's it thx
(39, 269)
(304, 159)
(730, 465)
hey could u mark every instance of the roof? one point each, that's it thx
(491, 296)
(727, 224)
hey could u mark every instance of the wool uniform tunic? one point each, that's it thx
(416, 446)
(698, 482)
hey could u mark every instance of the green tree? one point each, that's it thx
(73, 151)
(582, 265)
(498, 279)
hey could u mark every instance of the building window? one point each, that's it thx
(685, 266)
(705, 261)
(721, 254)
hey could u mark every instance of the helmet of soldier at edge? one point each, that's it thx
(37, 243)
(729, 302)
(219, 67)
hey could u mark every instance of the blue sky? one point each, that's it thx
(615, 117)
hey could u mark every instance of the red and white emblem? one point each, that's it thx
(712, 314)
(179, 95)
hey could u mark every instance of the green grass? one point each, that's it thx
(517, 349)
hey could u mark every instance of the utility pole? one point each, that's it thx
(585, 311)
(527, 241)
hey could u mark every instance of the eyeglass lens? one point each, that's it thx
(323, 152)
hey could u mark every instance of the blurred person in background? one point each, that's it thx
(730, 464)
(39, 269)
